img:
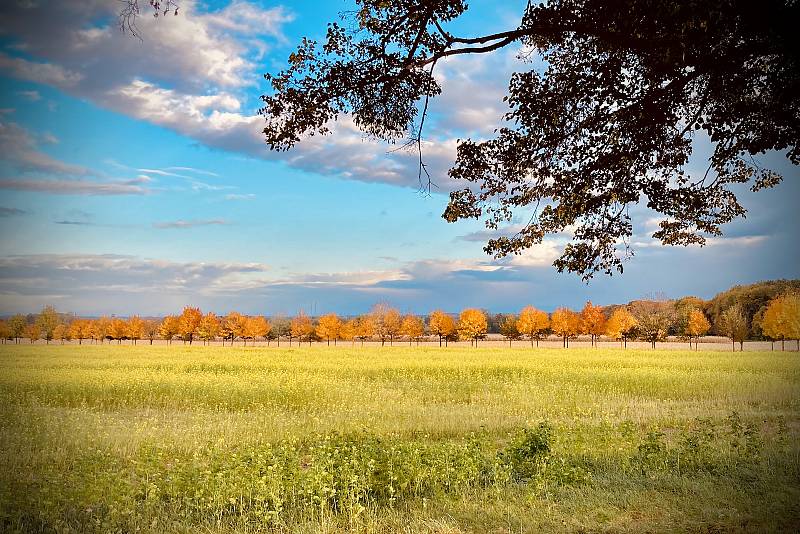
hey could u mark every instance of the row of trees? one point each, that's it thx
(648, 320)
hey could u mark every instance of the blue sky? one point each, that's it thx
(133, 179)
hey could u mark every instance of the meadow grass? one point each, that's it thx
(331, 439)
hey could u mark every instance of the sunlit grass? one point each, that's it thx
(178, 438)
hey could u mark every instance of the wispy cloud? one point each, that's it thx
(240, 196)
(189, 223)
(192, 169)
(75, 187)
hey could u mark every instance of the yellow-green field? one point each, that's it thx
(199, 439)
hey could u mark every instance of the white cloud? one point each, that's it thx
(191, 74)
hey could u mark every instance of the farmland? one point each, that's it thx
(333, 439)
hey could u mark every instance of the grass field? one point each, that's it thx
(194, 439)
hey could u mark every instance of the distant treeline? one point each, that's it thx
(766, 310)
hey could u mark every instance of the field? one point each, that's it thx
(411, 439)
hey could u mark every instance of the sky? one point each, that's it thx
(134, 179)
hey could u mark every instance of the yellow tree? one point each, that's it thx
(255, 327)
(208, 330)
(302, 328)
(566, 324)
(349, 331)
(442, 325)
(621, 325)
(101, 328)
(189, 323)
(791, 312)
(781, 318)
(696, 326)
(61, 333)
(80, 329)
(169, 328)
(232, 326)
(413, 328)
(472, 325)
(118, 329)
(593, 322)
(329, 327)
(532, 323)
(135, 328)
(365, 328)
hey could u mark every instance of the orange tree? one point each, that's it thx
(329, 327)
(442, 325)
(472, 325)
(189, 322)
(593, 322)
(232, 326)
(209, 327)
(621, 325)
(302, 328)
(413, 328)
(565, 323)
(533, 323)
(365, 328)
(135, 328)
(697, 326)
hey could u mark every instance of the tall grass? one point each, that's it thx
(180, 438)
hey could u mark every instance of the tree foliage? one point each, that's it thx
(654, 319)
(472, 324)
(593, 321)
(733, 323)
(412, 327)
(697, 326)
(329, 327)
(442, 325)
(607, 123)
(621, 325)
(509, 328)
(533, 323)
(565, 323)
